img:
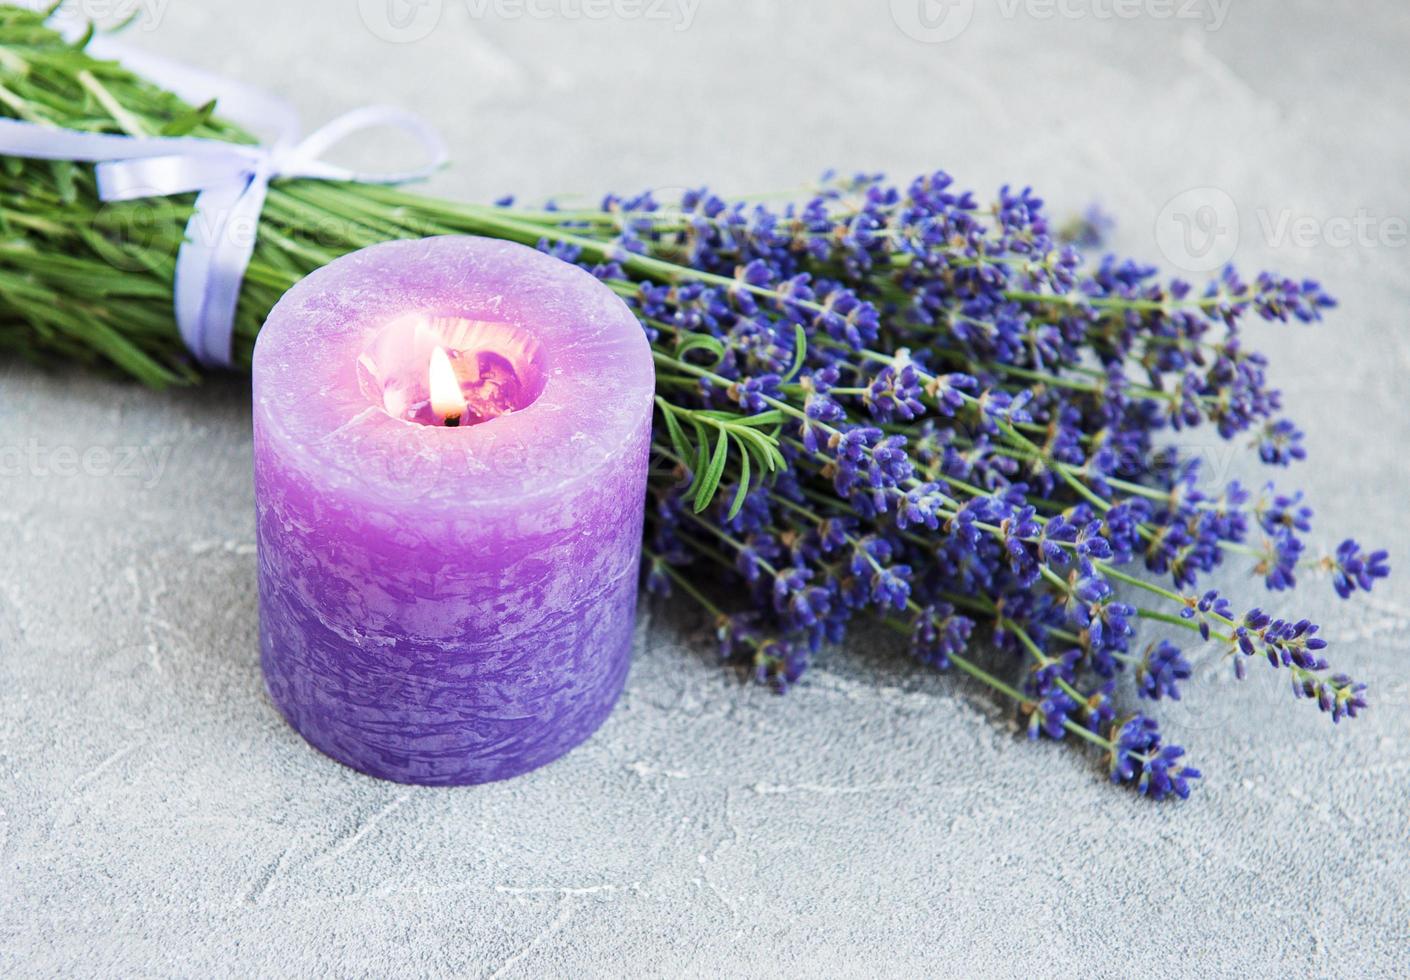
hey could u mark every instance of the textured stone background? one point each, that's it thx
(156, 816)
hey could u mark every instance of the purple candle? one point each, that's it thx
(451, 443)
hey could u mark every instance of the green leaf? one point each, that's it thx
(800, 351)
(771, 417)
(126, 22)
(743, 490)
(63, 171)
(763, 446)
(710, 482)
(679, 443)
(82, 42)
(702, 449)
(189, 120)
(700, 341)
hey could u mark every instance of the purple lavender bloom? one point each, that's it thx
(937, 634)
(1049, 715)
(948, 392)
(1280, 565)
(1281, 443)
(1090, 230)
(1209, 606)
(1138, 756)
(1339, 696)
(1162, 669)
(967, 418)
(1353, 568)
(1285, 513)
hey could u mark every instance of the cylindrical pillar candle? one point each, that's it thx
(450, 441)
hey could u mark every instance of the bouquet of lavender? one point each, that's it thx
(886, 405)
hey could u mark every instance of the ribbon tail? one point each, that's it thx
(210, 268)
(305, 160)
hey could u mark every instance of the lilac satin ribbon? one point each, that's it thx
(231, 180)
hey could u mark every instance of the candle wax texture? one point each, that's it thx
(449, 605)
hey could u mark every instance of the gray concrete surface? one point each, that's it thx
(157, 818)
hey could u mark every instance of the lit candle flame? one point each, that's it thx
(447, 400)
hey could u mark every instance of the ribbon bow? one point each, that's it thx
(231, 180)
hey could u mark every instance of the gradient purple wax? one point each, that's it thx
(448, 605)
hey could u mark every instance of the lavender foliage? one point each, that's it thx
(898, 405)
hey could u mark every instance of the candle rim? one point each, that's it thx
(598, 367)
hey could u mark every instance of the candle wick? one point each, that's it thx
(452, 421)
